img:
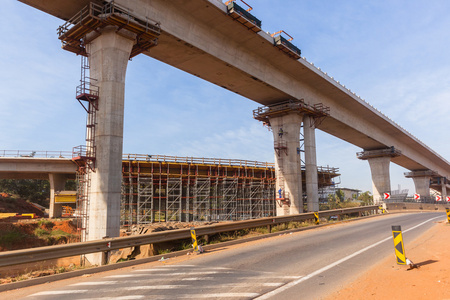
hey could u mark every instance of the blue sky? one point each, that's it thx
(392, 53)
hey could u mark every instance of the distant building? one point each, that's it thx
(350, 194)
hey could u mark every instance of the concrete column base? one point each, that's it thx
(421, 180)
(286, 135)
(381, 181)
(108, 58)
(312, 186)
(57, 183)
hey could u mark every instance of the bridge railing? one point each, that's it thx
(36, 154)
(198, 160)
(10, 258)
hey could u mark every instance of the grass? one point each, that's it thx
(163, 251)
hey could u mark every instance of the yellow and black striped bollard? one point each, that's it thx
(448, 214)
(398, 245)
(194, 240)
(316, 217)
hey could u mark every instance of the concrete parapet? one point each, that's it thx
(405, 206)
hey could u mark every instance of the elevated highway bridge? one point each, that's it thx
(224, 44)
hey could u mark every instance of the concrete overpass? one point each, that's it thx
(209, 40)
(55, 166)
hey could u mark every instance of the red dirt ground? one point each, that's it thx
(387, 280)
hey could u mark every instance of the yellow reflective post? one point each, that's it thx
(398, 245)
(194, 239)
(316, 217)
(448, 214)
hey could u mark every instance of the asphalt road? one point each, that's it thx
(302, 265)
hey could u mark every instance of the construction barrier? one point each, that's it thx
(316, 217)
(398, 245)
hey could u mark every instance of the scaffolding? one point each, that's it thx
(87, 94)
(186, 189)
(85, 26)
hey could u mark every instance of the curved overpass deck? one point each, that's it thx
(199, 37)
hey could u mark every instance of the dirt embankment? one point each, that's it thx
(19, 206)
(387, 280)
(24, 234)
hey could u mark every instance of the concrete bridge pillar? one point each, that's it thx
(312, 187)
(108, 58)
(421, 180)
(379, 161)
(286, 136)
(444, 188)
(57, 183)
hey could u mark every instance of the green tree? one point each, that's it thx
(35, 190)
(366, 198)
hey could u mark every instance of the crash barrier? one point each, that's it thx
(415, 206)
(10, 258)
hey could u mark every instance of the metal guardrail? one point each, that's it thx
(198, 160)
(10, 258)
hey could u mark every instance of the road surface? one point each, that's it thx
(303, 265)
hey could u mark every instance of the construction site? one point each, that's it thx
(185, 189)
(168, 188)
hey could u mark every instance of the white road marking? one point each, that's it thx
(317, 272)
(251, 284)
(181, 273)
(52, 293)
(94, 283)
(154, 287)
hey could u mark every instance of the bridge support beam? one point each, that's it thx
(379, 161)
(312, 187)
(108, 58)
(57, 183)
(286, 135)
(421, 180)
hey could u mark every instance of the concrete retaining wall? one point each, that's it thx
(416, 206)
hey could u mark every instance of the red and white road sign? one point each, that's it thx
(448, 198)
(438, 198)
(387, 196)
(416, 196)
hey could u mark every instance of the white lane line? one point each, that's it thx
(52, 293)
(94, 283)
(317, 272)
(252, 284)
(154, 287)
(180, 273)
